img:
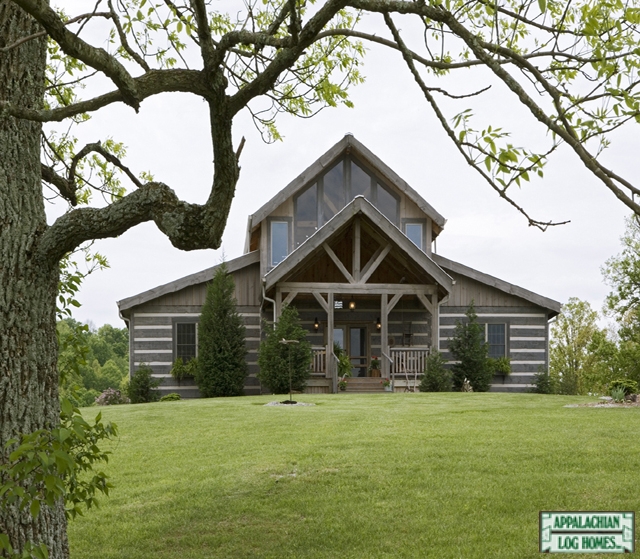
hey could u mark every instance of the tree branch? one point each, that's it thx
(44, 33)
(65, 188)
(443, 121)
(286, 57)
(123, 40)
(205, 39)
(147, 85)
(97, 148)
(590, 162)
(74, 46)
(186, 225)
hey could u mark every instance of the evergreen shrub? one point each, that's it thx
(275, 358)
(628, 385)
(470, 350)
(143, 387)
(544, 383)
(222, 366)
(436, 377)
(172, 397)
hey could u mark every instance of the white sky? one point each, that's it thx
(170, 138)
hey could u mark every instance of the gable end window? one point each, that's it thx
(279, 244)
(186, 340)
(415, 231)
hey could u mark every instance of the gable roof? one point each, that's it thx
(348, 142)
(359, 205)
(187, 281)
(511, 289)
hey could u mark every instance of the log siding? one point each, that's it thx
(526, 341)
(152, 343)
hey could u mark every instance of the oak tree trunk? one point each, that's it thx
(28, 288)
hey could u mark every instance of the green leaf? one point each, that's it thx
(35, 508)
(6, 544)
(64, 434)
(543, 5)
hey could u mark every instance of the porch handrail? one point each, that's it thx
(334, 371)
(410, 360)
(319, 361)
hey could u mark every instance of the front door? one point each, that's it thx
(353, 339)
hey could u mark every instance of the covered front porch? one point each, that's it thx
(360, 284)
(405, 369)
(386, 336)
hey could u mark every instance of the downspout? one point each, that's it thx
(128, 323)
(549, 324)
(265, 298)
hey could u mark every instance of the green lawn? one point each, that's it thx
(357, 476)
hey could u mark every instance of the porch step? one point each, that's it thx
(364, 385)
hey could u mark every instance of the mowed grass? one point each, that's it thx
(356, 476)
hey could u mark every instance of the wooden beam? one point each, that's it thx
(290, 297)
(427, 304)
(394, 301)
(357, 288)
(356, 250)
(337, 262)
(321, 301)
(372, 265)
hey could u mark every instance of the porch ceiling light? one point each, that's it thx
(378, 323)
(316, 324)
(352, 305)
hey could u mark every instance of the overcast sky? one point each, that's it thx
(170, 138)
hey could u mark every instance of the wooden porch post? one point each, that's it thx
(278, 303)
(435, 322)
(384, 335)
(332, 370)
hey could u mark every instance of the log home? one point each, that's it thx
(350, 244)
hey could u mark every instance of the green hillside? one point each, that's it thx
(396, 475)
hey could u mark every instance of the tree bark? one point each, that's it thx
(28, 288)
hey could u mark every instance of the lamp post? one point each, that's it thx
(289, 342)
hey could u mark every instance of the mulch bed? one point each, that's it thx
(608, 403)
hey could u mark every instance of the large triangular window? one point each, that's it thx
(323, 199)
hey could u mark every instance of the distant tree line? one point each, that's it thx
(587, 358)
(91, 360)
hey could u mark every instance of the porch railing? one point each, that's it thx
(407, 363)
(319, 361)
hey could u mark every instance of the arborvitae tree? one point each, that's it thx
(222, 366)
(436, 378)
(469, 348)
(276, 359)
(143, 387)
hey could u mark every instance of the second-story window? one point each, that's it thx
(279, 241)
(415, 233)
(333, 192)
(306, 214)
(387, 203)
